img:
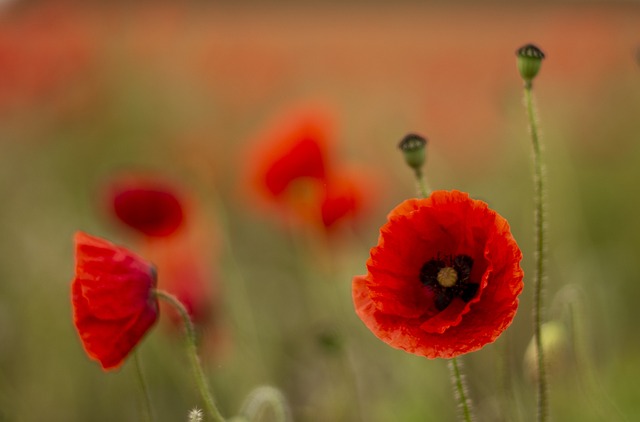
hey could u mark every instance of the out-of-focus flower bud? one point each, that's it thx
(555, 348)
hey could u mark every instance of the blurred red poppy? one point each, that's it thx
(147, 204)
(444, 278)
(113, 300)
(347, 194)
(292, 170)
(293, 149)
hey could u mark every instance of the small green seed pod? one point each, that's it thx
(529, 61)
(413, 149)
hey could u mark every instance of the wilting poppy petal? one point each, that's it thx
(149, 205)
(444, 278)
(112, 297)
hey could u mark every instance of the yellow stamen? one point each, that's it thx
(447, 276)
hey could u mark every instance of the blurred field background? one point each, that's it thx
(89, 90)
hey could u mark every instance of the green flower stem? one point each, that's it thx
(538, 178)
(460, 389)
(262, 398)
(423, 188)
(196, 366)
(147, 412)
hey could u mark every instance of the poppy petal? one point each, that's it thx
(112, 297)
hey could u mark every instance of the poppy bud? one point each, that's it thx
(555, 346)
(529, 62)
(413, 149)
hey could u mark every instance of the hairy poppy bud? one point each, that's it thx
(413, 149)
(529, 62)
(555, 347)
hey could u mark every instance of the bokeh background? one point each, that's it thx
(91, 89)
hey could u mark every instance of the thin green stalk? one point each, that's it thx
(192, 352)
(460, 389)
(147, 409)
(538, 178)
(423, 188)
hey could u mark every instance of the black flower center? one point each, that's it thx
(449, 278)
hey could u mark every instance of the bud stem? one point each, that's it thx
(423, 188)
(460, 389)
(538, 178)
(192, 352)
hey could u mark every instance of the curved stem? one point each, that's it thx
(460, 389)
(263, 397)
(192, 352)
(148, 413)
(538, 178)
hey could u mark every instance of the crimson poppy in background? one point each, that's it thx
(287, 165)
(149, 205)
(293, 171)
(444, 278)
(113, 299)
(347, 194)
(294, 148)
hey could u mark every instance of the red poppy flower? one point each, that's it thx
(347, 195)
(292, 171)
(295, 148)
(149, 205)
(112, 297)
(444, 278)
(287, 165)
